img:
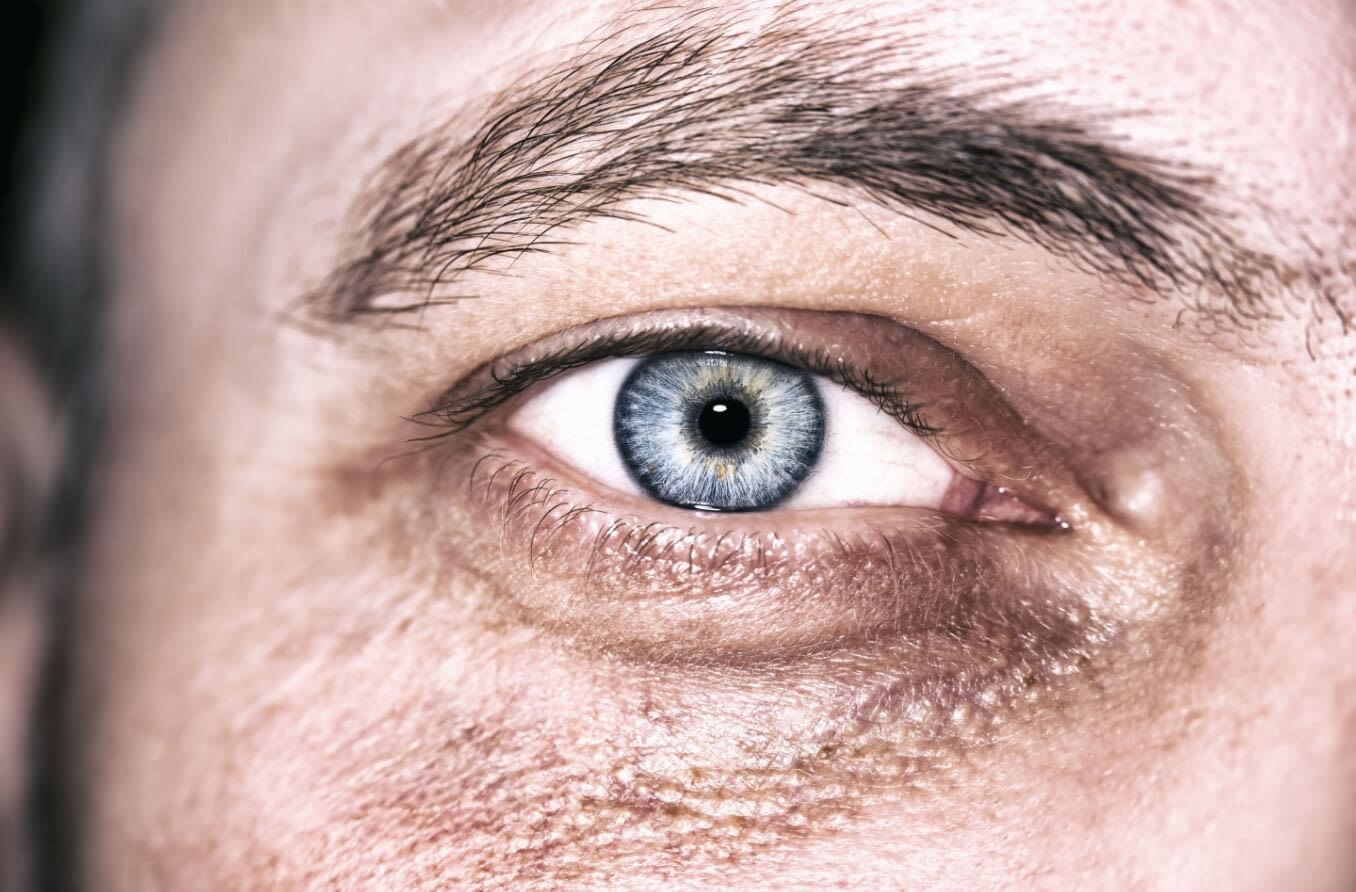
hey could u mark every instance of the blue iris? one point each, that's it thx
(718, 430)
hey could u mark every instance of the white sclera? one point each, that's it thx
(868, 457)
(571, 418)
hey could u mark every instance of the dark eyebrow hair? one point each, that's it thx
(706, 105)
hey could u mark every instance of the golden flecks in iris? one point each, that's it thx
(747, 380)
(722, 470)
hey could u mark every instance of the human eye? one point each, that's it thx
(716, 431)
(808, 481)
(711, 430)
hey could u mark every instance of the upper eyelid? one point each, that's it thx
(459, 411)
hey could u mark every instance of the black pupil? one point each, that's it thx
(724, 422)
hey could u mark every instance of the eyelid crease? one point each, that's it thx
(460, 412)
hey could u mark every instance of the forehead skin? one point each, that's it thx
(267, 705)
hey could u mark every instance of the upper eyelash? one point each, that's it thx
(459, 413)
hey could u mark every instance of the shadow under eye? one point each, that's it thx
(754, 585)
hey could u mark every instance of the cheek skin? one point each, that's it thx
(489, 749)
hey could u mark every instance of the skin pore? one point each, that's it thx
(344, 624)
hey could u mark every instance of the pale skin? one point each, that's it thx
(305, 658)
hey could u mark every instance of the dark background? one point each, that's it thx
(23, 35)
(21, 38)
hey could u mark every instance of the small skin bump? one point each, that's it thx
(1132, 491)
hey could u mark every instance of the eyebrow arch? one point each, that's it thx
(706, 105)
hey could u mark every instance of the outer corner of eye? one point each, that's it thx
(571, 418)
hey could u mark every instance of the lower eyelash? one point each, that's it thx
(535, 509)
(926, 581)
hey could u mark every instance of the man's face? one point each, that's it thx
(1024, 563)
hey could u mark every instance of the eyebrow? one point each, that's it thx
(705, 104)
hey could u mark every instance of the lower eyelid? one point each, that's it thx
(745, 586)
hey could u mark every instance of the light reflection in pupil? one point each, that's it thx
(724, 422)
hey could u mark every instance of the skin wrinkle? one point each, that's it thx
(527, 814)
(499, 799)
(699, 108)
(512, 815)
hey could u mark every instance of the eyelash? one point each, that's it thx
(458, 413)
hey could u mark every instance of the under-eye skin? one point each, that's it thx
(967, 576)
